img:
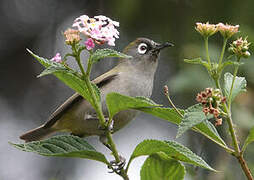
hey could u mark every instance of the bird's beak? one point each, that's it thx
(162, 46)
(159, 47)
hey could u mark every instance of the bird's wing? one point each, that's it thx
(76, 98)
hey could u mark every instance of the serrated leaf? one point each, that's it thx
(193, 115)
(197, 61)
(206, 128)
(51, 70)
(239, 85)
(104, 53)
(249, 139)
(70, 78)
(63, 146)
(117, 102)
(172, 149)
(160, 166)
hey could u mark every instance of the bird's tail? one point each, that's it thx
(37, 134)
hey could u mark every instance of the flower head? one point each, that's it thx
(100, 28)
(89, 44)
(240, 48)
(57, 58)
(211, 100)
(227, 30)
(72, 36)
(206, 29)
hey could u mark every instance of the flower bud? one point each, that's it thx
(72, 36)
(231, 49)
(240, 48)
(246, 54)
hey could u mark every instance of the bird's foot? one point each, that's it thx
(117, 166)
(108, 127)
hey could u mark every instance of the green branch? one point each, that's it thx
(207, 52)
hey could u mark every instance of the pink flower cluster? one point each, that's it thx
(211, 100)
(89, 44)
(100, 28)
(226, 30)
(57, 58)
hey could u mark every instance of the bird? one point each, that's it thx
(130, 77)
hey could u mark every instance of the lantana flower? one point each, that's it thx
(227, 30)
(211, 100)
(72, 36)
(57, 58)
(206, 29)
(89, 44)
(240, 48)
(100, 28)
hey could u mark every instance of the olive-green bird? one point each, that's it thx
(131, 77)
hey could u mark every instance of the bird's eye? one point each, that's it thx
(142, 48)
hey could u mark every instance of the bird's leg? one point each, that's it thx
(104, 141)
(117, 166)
(114, 166)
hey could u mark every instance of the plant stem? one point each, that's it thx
(233, 134)
(237, 152)
(80, 66)
(98, 109)
(76, 54)
(245, 167)
(97, 106)
(223, 51)
(123, 172)
(89, 66)
(173, 105)
(207, 52)
(217, 83)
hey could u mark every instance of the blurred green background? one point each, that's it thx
(25, 102)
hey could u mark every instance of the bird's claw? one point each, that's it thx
(109, 127)
(117, 166)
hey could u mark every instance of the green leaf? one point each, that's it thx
(192, 116)
(206, 128)
(104, 53)
(70, 78)
(63, 146)
(117, 102)
(172, 149)
(52, 69)
(168, 114)
(229, 63)
(197, 61)
(160, 166)
(239, 85)
(249, 139)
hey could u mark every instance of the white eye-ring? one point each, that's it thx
(142, 48)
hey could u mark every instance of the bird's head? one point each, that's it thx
(145, 50)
